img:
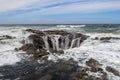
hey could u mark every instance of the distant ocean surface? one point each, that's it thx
(106, 52)
(88, 28)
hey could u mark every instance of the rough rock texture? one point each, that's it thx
(92, 62)
(6, 37)
(31, 49)
(57, 32)
(106, 38)
(112, 70)
(95, 67)
(64, 70)
(44, 42)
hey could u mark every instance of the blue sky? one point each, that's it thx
(59, 11)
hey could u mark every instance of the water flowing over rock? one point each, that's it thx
(54, 41)
(112, 70)
(6, 37)
(57, 39)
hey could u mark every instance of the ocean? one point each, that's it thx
(102, 45)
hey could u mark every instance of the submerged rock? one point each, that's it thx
(112, 70)
(106, 38)
(6, 37)
(92, 63)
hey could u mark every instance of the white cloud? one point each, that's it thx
(83, 7)
(72, 6)
(10, 5)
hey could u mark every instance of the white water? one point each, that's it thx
(107, 53)
(45, 38)
(63, 44)
(8, 55)
(70, 26)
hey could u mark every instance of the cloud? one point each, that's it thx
(11, 5)
(83, 7)
(52, 7)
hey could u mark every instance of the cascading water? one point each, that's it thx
(45, 39)
(64, 43)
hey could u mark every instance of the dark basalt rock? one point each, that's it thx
(95, 67)
(57, 51)
(112, 70)
(41, 33)
(29, 48)
(38, 45)
(57, 32)
(6, 37)
(49, 70)
(92, 63)
(107, 38)
(37, 41)
(82, 74)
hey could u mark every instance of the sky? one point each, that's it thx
(59, 11)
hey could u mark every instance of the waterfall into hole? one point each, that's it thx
(59, 42)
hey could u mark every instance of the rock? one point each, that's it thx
(96, 69)
(22, 41)
(108, 38)
(92, 63)
(62, 70)
(57, 51)
(37, 41)
(29, 48)
(40, 33)
(59, 70)
(82, 74)
(46, 40)
(50, 42)
(16, 49)
(112, 70)
(6, 37)
(41, 54)
(37, 53)
(57, 32)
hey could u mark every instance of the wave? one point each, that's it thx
(71, 26)
(9, 40)
(107, 53)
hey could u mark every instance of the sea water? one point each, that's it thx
(106, 52)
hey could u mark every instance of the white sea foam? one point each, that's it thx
(70, 26)
(106, 53)
(8, 55)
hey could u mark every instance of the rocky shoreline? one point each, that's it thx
(51, 41)
(43, 43)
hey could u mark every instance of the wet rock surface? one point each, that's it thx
(60, 70)
(6, 37)
(107, 38)
(51, 41)
(47, 42)
(112, 70)
(49, 70)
